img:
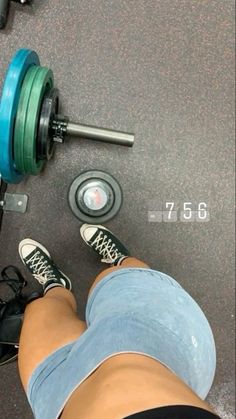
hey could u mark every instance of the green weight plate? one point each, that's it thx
(43, 82)
(19, 132)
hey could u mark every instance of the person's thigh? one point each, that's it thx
(49, 323)
(154, 315)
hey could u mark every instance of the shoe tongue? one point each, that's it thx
(40, 254)
(96, 234)
(30, 255)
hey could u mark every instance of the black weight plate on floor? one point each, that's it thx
(109, 210)
(50, 108)
(43, 82)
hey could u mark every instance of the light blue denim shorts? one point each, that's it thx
(130, 311)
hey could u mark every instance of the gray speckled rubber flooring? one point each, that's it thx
(163, 69)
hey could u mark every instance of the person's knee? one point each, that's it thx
(129, 262)
(51, 302)
(34, 305)
(133, 262)
(63, 295)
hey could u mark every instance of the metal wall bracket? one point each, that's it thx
(14, 202)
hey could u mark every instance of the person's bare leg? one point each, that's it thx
(49, 323)
(129, 262)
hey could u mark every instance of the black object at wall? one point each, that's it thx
(4, 9)
(3, 188)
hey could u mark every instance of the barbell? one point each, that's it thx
(30, 120)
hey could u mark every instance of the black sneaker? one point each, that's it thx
(38, 260)
(104, 243)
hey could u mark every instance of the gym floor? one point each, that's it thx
(163, 69)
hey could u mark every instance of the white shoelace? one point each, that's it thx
(107, 250)
(41, 268)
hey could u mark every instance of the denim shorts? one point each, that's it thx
(130, 311)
